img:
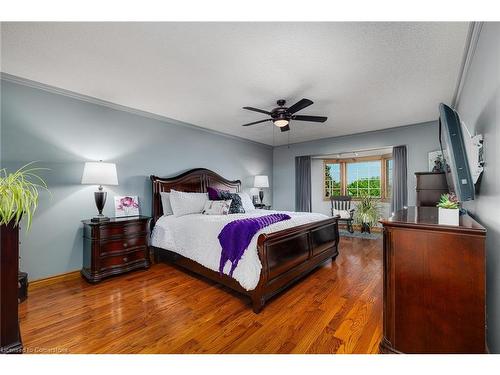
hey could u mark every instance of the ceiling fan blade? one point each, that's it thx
(301, 104)
(256, 122)
(310, 118)
(285, 128)
(257, 110)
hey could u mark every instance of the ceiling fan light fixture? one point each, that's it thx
(282, 115)
(281, 122)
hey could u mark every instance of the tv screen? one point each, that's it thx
(456, 164)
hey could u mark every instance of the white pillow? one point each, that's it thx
(217, 207)
(344, 214)
(165, 203)
(246, 202)
(187, 203)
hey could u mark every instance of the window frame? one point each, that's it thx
(343, 174)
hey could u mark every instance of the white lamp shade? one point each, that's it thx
(261, 182)
(99, 173)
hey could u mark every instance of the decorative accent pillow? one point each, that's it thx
(246, 202)
(214, 193)
(165, 203)
(236, 205)
(216, 207)
(187, 203)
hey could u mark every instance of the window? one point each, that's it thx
(332, 179)
(359, 176)
(363, 178)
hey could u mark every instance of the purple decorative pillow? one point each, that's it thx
(214, 194)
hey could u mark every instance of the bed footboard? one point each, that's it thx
(290, 254)
(286, 256)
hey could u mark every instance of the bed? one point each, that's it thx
(278, 255)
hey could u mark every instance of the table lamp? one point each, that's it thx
(261, 182)
(254, 192)
(99, 173)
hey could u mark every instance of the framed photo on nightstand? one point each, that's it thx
(127, 206)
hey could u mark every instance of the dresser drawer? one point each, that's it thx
(122, 260)
(120, 245)
(431, 181)
(107, 231)
(429, 198)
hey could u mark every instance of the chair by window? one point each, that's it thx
(341, 206)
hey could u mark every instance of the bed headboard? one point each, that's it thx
(194, 181)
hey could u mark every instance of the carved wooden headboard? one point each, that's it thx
(194, 181)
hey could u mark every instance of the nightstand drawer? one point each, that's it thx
(116, 246)
(107, 231)
(122, 260)
(121, 245)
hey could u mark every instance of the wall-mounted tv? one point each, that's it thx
(456, 163)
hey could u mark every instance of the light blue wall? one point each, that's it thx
(479, 108)
(419, 139)
(62, 133)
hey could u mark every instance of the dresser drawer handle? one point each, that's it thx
(125, 244)
(125, 259)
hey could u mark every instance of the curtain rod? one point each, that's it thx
(351, 152)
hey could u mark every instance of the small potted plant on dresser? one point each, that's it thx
(367, 213)
(18, 198)
(448, 207)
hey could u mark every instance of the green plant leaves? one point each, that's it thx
(19, 192)
(448, 201)
(367, 211)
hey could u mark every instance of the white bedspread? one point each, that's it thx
(195, 237)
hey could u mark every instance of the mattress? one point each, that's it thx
(195, 237)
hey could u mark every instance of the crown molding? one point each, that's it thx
(90, 99)
(469, 51)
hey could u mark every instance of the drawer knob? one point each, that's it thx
(125, 259)
(125, 244)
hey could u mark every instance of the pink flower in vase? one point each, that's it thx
(127, 202)
(128, 205)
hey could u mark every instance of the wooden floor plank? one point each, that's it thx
(336, 309)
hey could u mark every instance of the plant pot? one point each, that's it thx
(448, 216)
(365, 228)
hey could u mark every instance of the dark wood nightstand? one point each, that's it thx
(115, 246)
(262, 207)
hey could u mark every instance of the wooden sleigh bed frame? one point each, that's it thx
(286, 255)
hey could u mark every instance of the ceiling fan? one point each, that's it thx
(281, 116)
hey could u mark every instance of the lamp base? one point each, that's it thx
(100, 201)
(99, 219)
(261, 196)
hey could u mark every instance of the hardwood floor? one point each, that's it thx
(336, 309)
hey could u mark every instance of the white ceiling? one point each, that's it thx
(363, 76)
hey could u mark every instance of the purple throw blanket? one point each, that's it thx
(237, 235)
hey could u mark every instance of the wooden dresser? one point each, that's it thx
(434, 284)
(10, 335)
(430, 186)
(114, 247)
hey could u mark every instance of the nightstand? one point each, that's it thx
(114, 247)
(262, 207)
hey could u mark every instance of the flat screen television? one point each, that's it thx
(456, 164)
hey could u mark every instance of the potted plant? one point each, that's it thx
(19, 193)
(367, 213)
(448, 207)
